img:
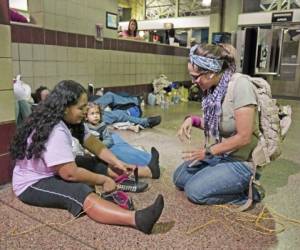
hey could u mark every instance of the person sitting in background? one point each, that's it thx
(40, 94)
(46, 175)
(124, 109)
(24, 101)
(132, 31)
(148, 163)
(15, 16)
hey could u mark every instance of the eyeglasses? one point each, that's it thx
(204, 73)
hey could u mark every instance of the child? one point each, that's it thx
(149, 164)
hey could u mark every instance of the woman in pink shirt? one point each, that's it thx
(46, 174)
(132, 31)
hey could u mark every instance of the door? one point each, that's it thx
(268, 51)
(287, 83)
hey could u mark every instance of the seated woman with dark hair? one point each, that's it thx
(45, 172)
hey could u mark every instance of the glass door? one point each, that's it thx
(268, 51)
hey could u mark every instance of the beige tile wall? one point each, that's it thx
(7, 106)
(75, 16)
(47, 64)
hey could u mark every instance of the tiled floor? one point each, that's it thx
(26, 227)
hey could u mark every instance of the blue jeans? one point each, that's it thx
(217, 180)
(127, 153)
(110, 98)
(110, 117)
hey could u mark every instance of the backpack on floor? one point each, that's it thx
(273, 120)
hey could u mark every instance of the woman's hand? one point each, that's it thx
(109, 185)
(193, 155)
(185, 129)
(123, 168)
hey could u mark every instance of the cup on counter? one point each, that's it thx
(171, 40)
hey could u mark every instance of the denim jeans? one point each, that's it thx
(110, 98)
(217, 180)
(127, 153)
(110, 117)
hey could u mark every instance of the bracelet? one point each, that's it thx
(208, 152)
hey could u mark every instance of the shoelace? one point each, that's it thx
(131, 182)
(127, 188)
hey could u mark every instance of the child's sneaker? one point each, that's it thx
(120, 198)
(128, 184)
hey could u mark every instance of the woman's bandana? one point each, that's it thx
(210, 64)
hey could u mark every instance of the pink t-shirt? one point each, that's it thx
(58, 150)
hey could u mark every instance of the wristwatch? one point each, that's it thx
(208, 152)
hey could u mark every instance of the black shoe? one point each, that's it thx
(154, 163)
(154, 121)
(130, 185)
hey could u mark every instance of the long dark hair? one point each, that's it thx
(136, 28)
(43, 118)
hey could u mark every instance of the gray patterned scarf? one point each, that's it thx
(212, 106)
(212, 99)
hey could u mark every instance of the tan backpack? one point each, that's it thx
(273, 121)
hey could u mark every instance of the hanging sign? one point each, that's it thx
(279, 17)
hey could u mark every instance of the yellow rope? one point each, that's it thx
(14, 233)
(201, 226)
(246, 217)
(284, 217)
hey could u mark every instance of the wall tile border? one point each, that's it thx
(4, 15)
(7, 131)
(6, 169)
(21, 33)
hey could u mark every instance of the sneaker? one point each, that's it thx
(154, 121)
(128, 184)
(120, 198)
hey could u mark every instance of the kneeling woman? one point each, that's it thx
(220, 172)
(46, 174)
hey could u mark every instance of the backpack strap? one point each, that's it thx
(231, 85)
(230, 90)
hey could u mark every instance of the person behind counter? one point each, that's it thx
(132, 30)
